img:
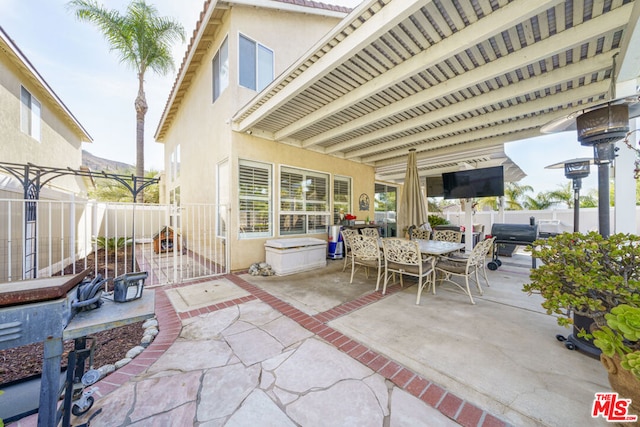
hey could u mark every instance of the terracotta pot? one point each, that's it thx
(623, 382)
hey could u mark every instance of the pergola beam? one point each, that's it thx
(542, 50)
(493, 24)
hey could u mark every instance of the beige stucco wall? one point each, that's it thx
(59, 146)
(243, 252)
(203, 128)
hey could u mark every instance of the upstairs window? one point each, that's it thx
(30, 109)
(256, 64)
(220, 67)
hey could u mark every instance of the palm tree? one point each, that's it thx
(590, 200)
(565, 194)
(540, 202)
(513, 193)
(143, 41)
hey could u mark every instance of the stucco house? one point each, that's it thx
(35, 126)
(39, 136)
(265, 189)
(287, 112)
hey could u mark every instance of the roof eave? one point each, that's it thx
(28, 67)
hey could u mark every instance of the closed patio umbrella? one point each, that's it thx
(412, 209)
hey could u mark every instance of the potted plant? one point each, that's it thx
(586, 274)
(597, 278)
(619, 341)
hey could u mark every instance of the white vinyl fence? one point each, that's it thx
(43, 238)
(562, 219)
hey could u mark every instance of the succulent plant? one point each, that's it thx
(621, 336)
(586, 274)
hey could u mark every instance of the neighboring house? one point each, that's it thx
(35, 126)
(267, 189)
(38, 138)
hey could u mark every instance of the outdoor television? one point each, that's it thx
(434, 186)
(468, 184)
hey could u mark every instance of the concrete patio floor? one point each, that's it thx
(311, 349)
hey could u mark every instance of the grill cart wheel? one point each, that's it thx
(77, 410)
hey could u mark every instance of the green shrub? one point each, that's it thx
(436, 220)
(586, 274)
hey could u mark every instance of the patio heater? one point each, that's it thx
(600, 128)
(576, 171)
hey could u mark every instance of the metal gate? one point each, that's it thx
(43, 238)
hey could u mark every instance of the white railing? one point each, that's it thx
(70, 236)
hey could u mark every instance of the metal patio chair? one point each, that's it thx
(403, 256)
(370, 231)
(365, 252)
(466, 267)
(346, 235)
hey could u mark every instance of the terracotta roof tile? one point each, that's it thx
(317, 5)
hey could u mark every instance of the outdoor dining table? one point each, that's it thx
(434, 247)
(438, 247)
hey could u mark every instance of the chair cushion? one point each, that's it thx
(452, 266)
(410, 269)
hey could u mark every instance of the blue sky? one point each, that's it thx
(75, 60)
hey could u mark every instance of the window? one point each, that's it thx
(174, 167)
(304, 203)
(255, 199)
(256, 64)
(223, 198)
(341, 197)
(221, 70)
(174, 201)
(30, 109)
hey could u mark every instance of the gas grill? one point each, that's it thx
(39, 310)
(514, 234)
(56, 309)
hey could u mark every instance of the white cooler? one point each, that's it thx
(288, 256)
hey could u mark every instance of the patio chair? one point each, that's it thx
(346, 235)
(420, 233)
(365, 252)
(448, 236)
(466, 267)
(371, 232)
(403, 256)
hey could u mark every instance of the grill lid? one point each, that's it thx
(524, 233)
(36, 290)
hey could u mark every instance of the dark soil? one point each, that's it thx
(23, 362)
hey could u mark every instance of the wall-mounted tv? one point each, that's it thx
(434, 186)
(468, 184)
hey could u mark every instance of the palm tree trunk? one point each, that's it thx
(141, 111)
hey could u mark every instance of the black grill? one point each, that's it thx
(522, 234)
(513, 234)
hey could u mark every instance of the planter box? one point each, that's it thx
(288, 256)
